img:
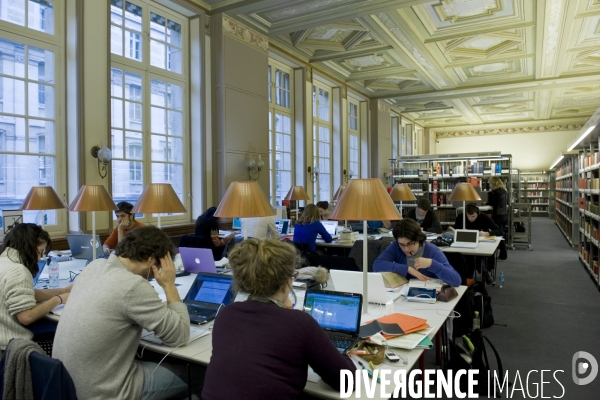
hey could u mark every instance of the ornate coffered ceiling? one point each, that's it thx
(450, 65)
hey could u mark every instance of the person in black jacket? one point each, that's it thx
(498, 199)
(486, 226)
(425, 216)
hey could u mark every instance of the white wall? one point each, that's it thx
(530, 151)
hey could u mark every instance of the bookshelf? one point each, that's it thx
(515, 178)
(566, 201)
(588, 197)
(435, 176)
(535, 189)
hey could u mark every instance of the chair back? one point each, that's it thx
(338, 262)
(458, 262)
(373, 250)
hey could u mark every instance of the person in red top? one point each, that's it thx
(126, 222)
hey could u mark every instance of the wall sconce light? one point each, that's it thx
(313, 174)
(104, 155)
(348, 175)
(254, 168)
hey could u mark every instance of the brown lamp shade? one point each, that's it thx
(42, 198)
(402, 192)
(244, 200)
(297, 193)
(365, 199)
(158, 198)
(464, 192)
(92, 198)
(338, 193)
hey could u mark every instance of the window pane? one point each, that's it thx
(287, 143)
(169, 173)
(323, 134)
(175, 97)
(157, 117)
(175, 124)
(41, 16)
(174, 59)
(41, 65)
(157, 54)
(133, 16)
(116, 40)
(116, 12)
(287, 161)
(157, 26)
(157, 93)
(13, 57)
(41, 136)
(116, 82)
(133, 144)
(12, 96)
(133, 86)
(127, 180)
(117, 143)
(41, 100)
(174, 33)
(324, 191)
(13, 11)
(133, 46)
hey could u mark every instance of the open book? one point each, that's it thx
(393, 280)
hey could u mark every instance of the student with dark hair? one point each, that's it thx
(20, 304)
(498, 199)
(309, 226)
(324, 212)
(125, 223)
(425, 216)
(112, 302)
(261, 342)
(411, 256)
(207, 229)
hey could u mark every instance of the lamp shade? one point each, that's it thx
(297, 193)
(42, 198)
(158, 198)
(464, 192)
(338, 193)
(244, 200)
(92, 198)
(402, 192)
(365, 199)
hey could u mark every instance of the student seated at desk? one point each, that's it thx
(21, 304)
(261, 348)
(309, 226)
(425, 216)
(111, 302)
(411, 256)
(207, 228)
(126, 222)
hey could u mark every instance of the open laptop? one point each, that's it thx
(197, 260)
(208, 294)
(283, 225)
(41, 266)
(331, 227)
(338, 314)
(352, 281)
(237, 223)
(466, 238)
(81, 245)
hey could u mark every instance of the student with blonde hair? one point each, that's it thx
(498, 199)
(261, 342)
(309, 226)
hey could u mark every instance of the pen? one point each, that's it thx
(368, 370)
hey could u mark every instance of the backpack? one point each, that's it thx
(463, 358)
(475, 299)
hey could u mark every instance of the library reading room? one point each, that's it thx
(299, 199)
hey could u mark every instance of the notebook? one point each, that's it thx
(351, 282)
(338, 314)
(196, 260)
(466, 238)
(282, 225)
(208, 294)
(330, 227)
(81, 245)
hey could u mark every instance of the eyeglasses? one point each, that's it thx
(409, 244)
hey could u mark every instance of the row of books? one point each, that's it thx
(564, 196)
(589, 183)
(564, 170)
(589, 160)
(589, 256)
(588, 206)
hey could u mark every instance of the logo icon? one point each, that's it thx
(580, 367)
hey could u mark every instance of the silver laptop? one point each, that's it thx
(352, 281)
(331, 227)
(81, 245)
(466, 238)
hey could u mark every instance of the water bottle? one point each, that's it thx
(476, 322)
(53, 274)
(501, 279)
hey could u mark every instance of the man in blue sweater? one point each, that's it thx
(411, 256)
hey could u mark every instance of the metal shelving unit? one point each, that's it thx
(520, 213)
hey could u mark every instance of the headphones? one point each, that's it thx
(441, 242)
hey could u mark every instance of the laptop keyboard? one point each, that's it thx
(201, 311)
(341, 342)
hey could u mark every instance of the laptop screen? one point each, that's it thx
(237, 223)
(466, 236)
(334, 311)
(330, 226)
(41, 265)
(211, 288)
(282, 226)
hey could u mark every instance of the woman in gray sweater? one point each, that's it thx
(21, 304)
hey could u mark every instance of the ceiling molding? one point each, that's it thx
(340, 55)
(508, 131)
(244, 34)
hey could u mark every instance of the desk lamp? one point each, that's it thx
(297, 193)
(402, 192)
(158, 198)
(42, 198)
(366, 200)
(464, 192)
(244, 200)
(93, 198)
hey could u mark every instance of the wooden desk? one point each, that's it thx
(483, 249)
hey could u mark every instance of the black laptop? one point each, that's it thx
(208, 294)
(338, 314)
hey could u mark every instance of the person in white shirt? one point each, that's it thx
(261, 228)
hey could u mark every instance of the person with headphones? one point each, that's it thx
(486, 226)
(425, 216)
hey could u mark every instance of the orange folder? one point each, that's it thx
(408, 323)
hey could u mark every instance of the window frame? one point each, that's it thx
(353, 164)
(316, 138)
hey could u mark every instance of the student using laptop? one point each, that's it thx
(261, 228)
(324, 212)
(261, 343)
(110, 304)
(125, 223)
(425, 216)
(411, 256)
(309, 226)
(21, 304)
(486, 226)
(207, 229)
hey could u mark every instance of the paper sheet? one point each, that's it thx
(312, 376)
(195, 333)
